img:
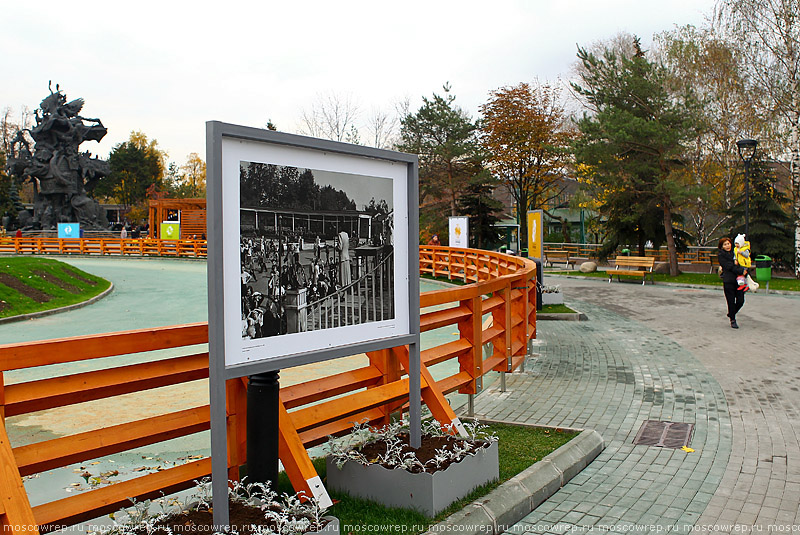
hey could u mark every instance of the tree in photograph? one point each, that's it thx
(771, 228)
(700, 60)
(525, 137)
(444, 137)
(482, 208)
(768, 34)
(634, 143)
(136, 165)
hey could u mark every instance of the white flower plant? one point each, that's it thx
(288, 513)
(348, 447)
(551, 289)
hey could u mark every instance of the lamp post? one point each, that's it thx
(747, 151)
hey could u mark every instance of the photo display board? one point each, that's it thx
(459, 231)
(313, 244)
(69, 230)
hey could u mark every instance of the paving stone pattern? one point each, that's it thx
(667, 353)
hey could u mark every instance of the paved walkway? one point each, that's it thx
(667, 353)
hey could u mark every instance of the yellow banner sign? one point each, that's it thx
(535, 234)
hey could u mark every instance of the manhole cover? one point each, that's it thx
(664, 434)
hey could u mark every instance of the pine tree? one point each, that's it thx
(478, 203)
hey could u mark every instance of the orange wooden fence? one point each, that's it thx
(499, 285)
(104, 246)
(693, 255)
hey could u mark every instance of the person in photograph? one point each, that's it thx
(345, 276)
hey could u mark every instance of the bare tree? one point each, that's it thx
(382, 129)
(768, 34)
(332, 116)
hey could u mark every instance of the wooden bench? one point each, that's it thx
(636, 266)
(557, 256)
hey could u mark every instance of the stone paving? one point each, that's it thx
(667, 353)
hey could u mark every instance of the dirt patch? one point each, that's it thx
(52, 279)
(16, 284)
(3, 306)
(76, 275)
(429, 447)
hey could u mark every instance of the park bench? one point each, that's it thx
(558, 256)
(636, 266)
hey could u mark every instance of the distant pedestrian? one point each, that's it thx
(730, 271)
(434, 240)
(19, 233)
(123, 234)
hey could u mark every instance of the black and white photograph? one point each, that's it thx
(316, 249)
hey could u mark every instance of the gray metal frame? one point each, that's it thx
(218, 371)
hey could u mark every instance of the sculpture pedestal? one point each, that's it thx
(296, 317)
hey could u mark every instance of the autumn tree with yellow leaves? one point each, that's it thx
(525, 136)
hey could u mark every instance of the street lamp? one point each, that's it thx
(747, 151)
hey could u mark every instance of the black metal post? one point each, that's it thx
(747, 198)
(263, 396)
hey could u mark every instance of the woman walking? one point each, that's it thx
(730, 270)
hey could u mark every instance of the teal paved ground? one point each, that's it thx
(667, 353)
(647, 352)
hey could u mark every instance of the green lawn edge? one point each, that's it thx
(702, 279)
(519, 447)
(14, 303)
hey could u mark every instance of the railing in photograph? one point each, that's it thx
(369, 298)
(104, 246)
(501, 286)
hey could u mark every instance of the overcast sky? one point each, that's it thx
(166, 68)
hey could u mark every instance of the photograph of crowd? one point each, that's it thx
(316, 249)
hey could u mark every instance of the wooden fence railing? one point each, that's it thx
(104, 246)
(502, 286)
(693, 255)
(198, 248)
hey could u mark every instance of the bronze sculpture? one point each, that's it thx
(61, 175)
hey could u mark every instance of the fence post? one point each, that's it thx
(471, 330)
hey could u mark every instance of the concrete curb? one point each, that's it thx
(577, 316)
(516, 498)
(52, 311)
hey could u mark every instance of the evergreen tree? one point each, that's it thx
(482, 209)
(771, 228)
(633, 145)
(444, 137)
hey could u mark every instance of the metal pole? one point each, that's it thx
(747, 198)
(263, 395)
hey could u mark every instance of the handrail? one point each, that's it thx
(499, 285)
(692, 255)
(104, 246)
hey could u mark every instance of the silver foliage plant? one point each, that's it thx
(348, 447)
(290, 515)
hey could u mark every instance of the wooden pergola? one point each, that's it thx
(192, 216)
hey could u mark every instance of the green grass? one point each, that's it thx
(708, 279)
(518, 448)
(556, 309)
(13, 303)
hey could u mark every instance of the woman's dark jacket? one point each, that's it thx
(729, 269)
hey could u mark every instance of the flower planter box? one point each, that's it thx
(429, 493)
(554, 298)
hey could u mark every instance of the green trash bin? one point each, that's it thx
(626, 252)
(763, 268)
